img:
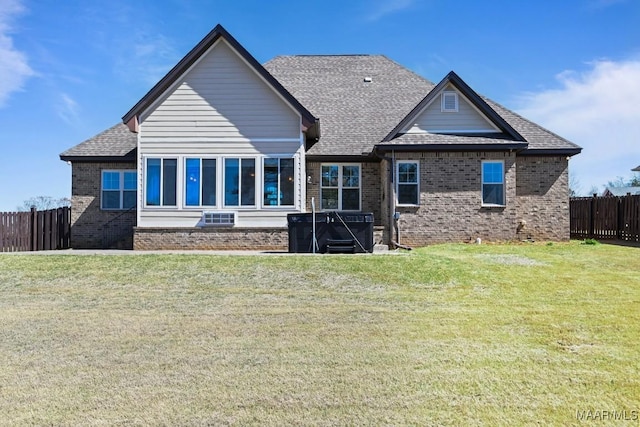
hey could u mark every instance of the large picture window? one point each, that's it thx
(200, 182)
(278, 182)
(239, 182)
(493, 183)
(161, 182)
(407, 180)
(118, 189)
(340, 187)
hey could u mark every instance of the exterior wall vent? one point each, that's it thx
(449, 102)
(219, 218)
(368, 79)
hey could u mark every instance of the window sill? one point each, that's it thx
(493, 206)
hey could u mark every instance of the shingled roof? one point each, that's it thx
(114, 144)
(357, 115)
(360, 100)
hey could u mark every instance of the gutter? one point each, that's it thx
(452, 147)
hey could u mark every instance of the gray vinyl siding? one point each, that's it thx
(467, 118)
(220, 109)
(220, 97)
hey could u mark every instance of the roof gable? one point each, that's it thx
(452, 80)
(172, 77)
(450, 112)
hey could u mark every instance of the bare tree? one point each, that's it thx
(43, 203)
(574, 186)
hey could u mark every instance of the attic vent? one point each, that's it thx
(368, 79)
(449, 102)
(219, 218)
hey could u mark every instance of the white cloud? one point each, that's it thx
(14, 69)
(68, 109)
(598, 109)
(386, 7)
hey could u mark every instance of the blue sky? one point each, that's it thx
(70, 69)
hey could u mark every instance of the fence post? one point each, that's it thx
(592, 218)
(34, 229)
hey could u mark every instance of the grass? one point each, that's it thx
(444, 335)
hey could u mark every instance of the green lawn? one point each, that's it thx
(445, 335)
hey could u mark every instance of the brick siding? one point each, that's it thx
(536, 188)
(542, 193)
(91, 227)
(450, 200)
(208, 238)
(370, 188)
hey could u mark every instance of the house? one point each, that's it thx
(222, 148)
(620, 191)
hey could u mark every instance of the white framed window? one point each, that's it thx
(200, 181)
(240, 182)
(161, 181)
(278, 182)
(408, 183)
(449, 102)
(340, 186)
(119, 189)
(493, 183)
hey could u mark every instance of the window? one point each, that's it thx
(278, 180)
(200, 182)
(161, 182)
(239, 182)
(449, 102)
(118, 190)
(340, 187)
(407, 181)
(493, 183)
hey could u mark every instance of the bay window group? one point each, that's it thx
(235, 182)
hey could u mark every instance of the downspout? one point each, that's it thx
(393, 225)
(395, 217)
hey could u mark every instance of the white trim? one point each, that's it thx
(184, 159)
(397, 182)
(451, 88)
(340, 187)
(504, 185)
(257, 175)
(179, 172)
(443, 101)
(217, 139)
(261, 192)
(450, 131)
(121, 190)
(258, 206)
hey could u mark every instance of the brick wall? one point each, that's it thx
(371, 190)
(542, 193)
(217, 238)
(91, 227)
(450, 200)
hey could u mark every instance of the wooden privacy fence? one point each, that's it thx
(606, 218)
(35, 230)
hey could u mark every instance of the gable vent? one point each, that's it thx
(449, 102)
